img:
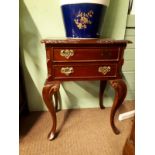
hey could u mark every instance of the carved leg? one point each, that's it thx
(120, 94)
(56, 101)
(48, 90)
(102, 88)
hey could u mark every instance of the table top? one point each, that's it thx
(84, 41)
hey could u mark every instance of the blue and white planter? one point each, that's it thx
(82, 17)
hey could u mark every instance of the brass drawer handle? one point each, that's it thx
(104, 69)
(67, 70)
(67, 53)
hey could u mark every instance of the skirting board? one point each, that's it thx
(126, 115)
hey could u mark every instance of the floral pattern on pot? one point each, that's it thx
(83, 19)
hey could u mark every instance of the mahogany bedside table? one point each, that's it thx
(84, 59)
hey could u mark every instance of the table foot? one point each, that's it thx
(51, 136)
(120, 94)
(48, 91)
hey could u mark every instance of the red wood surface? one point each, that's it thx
(88, 54)
(84, 70)
(90, 42)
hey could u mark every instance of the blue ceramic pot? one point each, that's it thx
(82, 18)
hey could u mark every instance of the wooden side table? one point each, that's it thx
(87, 59)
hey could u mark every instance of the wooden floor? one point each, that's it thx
(80, 132)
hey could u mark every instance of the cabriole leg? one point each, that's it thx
(48, 91)
(101, 94)
(120, 94)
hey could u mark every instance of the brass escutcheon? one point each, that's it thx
(67, 70)
(67, 53)
(104, 69)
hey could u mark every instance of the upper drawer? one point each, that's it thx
(84, 54)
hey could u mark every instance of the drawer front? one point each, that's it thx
(84, 71)
(84, 54)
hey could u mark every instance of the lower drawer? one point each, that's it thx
(84, 71)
